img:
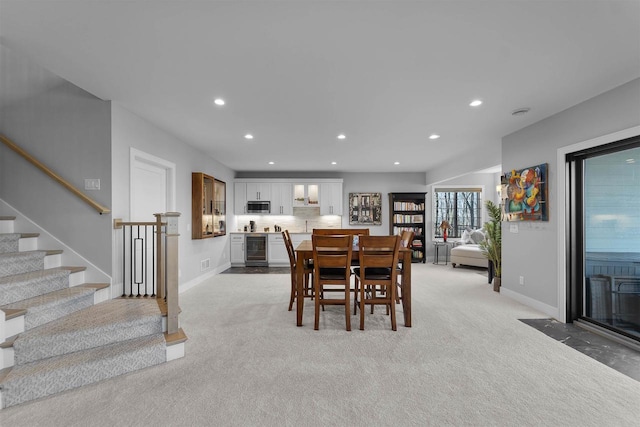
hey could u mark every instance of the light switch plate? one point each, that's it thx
(92, 184)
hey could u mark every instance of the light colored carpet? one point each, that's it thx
(466, 361)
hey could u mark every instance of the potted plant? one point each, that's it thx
(492, 244)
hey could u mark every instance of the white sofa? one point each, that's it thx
(469, 252)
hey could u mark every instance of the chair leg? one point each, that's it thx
(394, 327)
(293, 293)
(316, 324)
(347, 306)
(362, 308)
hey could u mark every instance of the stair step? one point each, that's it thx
(176, 338)
(23, 383)
(99, 325)
(53, 305)
(29, 235)
(31, 284)
(11, 313)
(7, 218)
(96, 286)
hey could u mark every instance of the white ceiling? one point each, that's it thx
(295, 74)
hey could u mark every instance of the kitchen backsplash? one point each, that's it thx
(303, 220)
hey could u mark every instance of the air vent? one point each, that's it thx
(204, 264)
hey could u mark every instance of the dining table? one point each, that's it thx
(304, 252)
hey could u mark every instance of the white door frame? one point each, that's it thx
(137, 156)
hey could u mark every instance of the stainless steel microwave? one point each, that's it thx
(258, 207)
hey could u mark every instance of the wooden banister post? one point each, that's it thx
(171, 271)
(160, 258)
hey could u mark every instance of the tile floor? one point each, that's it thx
(617, 356)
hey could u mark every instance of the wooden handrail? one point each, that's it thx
(98, 207)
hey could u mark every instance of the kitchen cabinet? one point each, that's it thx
(281, 198)
(237, 249)
(278, 255)
(331, 198)
(258, 191)
(297, 238)
(306, 195)
(208, 206)
(240, 198)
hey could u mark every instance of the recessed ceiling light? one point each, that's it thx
(520, 111)
(631, 161)
(342, 136)
(396, 163)
(272, 163)
(434, 136)
(219, 101)
(475, 103)
(248, 136)
(334, 163)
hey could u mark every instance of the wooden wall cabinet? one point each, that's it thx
(208, 206)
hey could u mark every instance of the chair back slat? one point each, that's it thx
(341, 231)
(290, 251)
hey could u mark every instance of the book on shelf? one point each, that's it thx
(408, 206)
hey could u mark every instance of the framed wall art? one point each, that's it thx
(365, 208)
(524, 194)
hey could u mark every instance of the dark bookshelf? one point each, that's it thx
(407, 212)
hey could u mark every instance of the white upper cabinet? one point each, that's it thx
(258, 191)
(281, 198)
(240, 198)
(331, 198)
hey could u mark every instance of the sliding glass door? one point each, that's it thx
(605, 237)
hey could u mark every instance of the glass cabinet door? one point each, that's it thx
(220, 208)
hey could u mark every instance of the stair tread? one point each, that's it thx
(46, 299)
(8, 342)
(28, 235)
(96, 286)
(39, 273)
(176, 338)
(7, 218)
(42, 378)
(10, 313)
(108, 313)
(46, 251)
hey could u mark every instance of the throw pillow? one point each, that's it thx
(477, 236)
(466, 238)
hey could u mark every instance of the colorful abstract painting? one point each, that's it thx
(524, 194)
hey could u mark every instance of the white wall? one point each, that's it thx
(69, 130)
(131, 131)
(534, 252)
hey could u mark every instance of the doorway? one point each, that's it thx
(604, 236)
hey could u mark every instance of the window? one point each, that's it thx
(461, 207)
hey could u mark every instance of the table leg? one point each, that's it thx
(406, 288)
(299, 290)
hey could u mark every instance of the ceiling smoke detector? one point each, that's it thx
(520, 111)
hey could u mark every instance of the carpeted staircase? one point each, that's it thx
(58, 334)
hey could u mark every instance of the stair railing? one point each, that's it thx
(66, 184)
(150, 262)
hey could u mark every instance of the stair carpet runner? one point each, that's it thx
(69, 342)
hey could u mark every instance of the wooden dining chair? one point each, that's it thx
(376, 277)
(332, 273)
(406, 239)
(308, 270)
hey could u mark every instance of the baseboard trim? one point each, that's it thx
(195, 282)
(530, 302)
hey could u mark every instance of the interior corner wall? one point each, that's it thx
(533, 251)
(69, 130)
(131, 131)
